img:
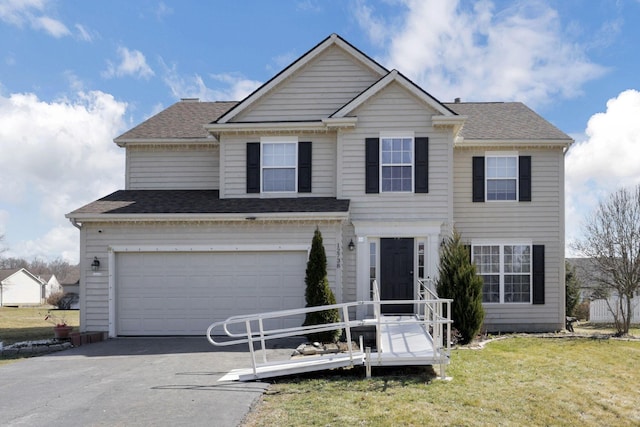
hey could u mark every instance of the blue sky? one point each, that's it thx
(76, 74)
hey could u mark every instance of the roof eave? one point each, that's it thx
(239, 216)
(146, 141)
(542, 143)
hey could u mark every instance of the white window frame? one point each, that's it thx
(515, 178)
(398, 135)
(374, 263)
(272, 140)
(502, 273)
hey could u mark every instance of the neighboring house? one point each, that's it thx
(20, 287)
(221, 200)
(599, 310)
(586, 275)
(51, 285)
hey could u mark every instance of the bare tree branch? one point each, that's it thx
(612, 242)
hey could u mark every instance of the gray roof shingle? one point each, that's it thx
(504, 120)
(203, 202)
(485, 120)
(184, 119)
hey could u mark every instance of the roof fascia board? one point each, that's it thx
(264, 126)
(333, 39)
(392, 76)
(145, 141)
(247, 216)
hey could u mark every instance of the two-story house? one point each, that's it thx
(222, 199)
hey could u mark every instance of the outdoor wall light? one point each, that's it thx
(351, 245)
(95, 265)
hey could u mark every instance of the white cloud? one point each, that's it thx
(52, 26)
(83, 33)
(163, 10)
(62, 156)
(605, 160)
(234, 86)
(19, 12)
(520, 53)
(132, 63)
(60, 242)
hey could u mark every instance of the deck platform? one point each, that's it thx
(403, 342)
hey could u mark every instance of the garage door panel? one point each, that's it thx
(183, 293)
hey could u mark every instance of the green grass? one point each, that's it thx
(28, 324)
(514, 381)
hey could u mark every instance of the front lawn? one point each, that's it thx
(514, 381)
(28, 324)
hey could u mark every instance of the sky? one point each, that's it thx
(75, 74)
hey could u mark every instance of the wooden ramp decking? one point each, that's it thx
(402, 342)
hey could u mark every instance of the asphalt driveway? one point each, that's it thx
(131, 381)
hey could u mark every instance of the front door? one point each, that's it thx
(396, 274)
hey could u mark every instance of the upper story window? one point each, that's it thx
(396, 155)
(502, 177)
(396, 163)
(279, 163)
(506, 271)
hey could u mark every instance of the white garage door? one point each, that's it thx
(183, 293)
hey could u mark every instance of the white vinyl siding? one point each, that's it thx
(540, 221)
(407, 113)
(316, 91)
(173, 168)
(233, 153)
(95, 286)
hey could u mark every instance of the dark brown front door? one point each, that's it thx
(396, 274)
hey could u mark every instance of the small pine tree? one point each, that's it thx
(459, 282)
(572, 288)
(319, 293)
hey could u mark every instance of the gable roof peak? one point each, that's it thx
(332, 40)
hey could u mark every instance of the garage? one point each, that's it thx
(182, 293)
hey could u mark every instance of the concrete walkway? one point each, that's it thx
(130, 381)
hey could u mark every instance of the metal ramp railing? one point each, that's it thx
(253, 331)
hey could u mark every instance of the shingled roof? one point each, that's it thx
(485, 120)
(203, 202)
(504, 121)
(182, 120)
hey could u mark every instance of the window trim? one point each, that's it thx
(269, 140)
(502, 273)
(397, 135)
(502, 154)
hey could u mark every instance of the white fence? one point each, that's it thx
(599, 311)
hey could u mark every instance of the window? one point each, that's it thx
(373, 261)
(279, 161)
(396, 155)
(506, 271)
(502, 177)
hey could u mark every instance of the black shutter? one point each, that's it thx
(538, 274)
(372, 165)
(304, 167)
(422, 165)
(253, 167)
(478, 179)
(524, 178)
